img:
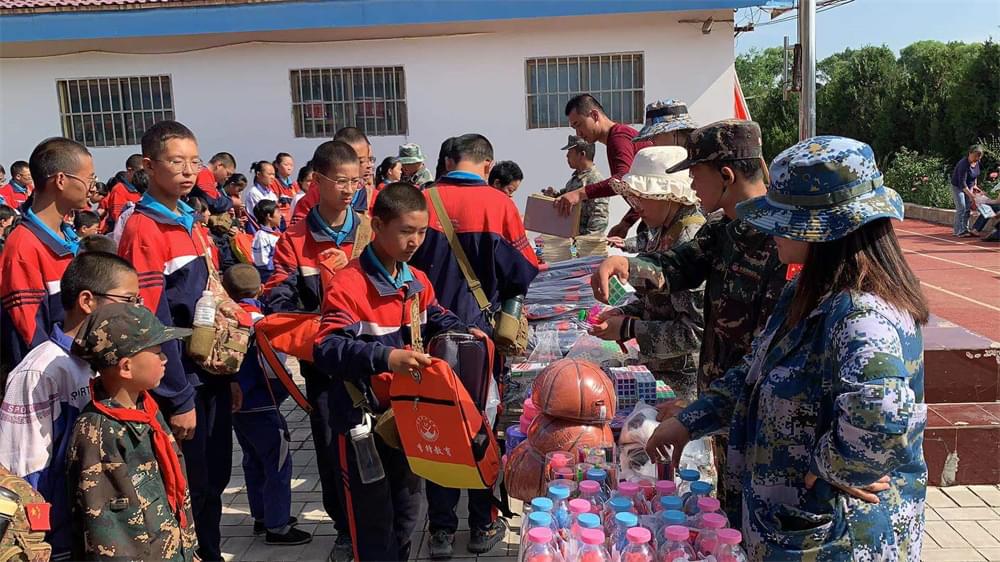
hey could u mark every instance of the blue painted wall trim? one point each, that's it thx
(242, 18)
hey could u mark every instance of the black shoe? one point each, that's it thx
(259, 529)
(292, 537)
(441, 545)
(343, 549)
(483, 540)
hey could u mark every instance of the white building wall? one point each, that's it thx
(238, 99)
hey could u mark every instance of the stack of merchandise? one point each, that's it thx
(555, 249)
(591, 245)
(632, 384)
(576, 401)
(562, 290)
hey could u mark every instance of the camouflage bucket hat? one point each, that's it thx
(722, 141)
(119, 330)
(410, 154)
(822, 189)
(665, 116)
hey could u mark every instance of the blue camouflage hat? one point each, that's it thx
(822, 189)
(664, 116)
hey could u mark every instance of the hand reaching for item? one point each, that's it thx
(405, 361)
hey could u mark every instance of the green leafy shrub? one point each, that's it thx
(920, 179)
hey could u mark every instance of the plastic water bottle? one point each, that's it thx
(200, 345)
(536, 519)
(591, 491)
(369, 462)
(707, 506)
(630, 490)
(637, 549)
(577, 508)
(676, 547)
(560, 505)
(729, 549)
(699, 490)
(664, 489)
(706, 532)
(615, 505)
(688, 477)
(623, 522)
(540, 547)
(671, 502)
(541, 504)
(667, 519)
(600, 476)
(592, 549)
(583, 522)
(647, 489)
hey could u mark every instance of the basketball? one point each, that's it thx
(575, 390)
(524, 473)
(547, 434)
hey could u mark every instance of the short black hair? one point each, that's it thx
(54, 155)
(198, 204)
(506, 172)
(18, 167)
(471, 147)
(154, 140)
(140, 180)
(101, 188)
(583, 104)
(98, 243)
(588, 150)
(351, 135)
(442, 166)
(224, 158)
(2, 169)
(96, 272)
(234, 179)
(304, 172)
(750, 168)
(332, 155)
(264, 209)
(134, 162)
(396, 199)
(84, 219)
(281, 156)
(6, 212)
(258, 167)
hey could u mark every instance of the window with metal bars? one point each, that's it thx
(616, 80)
(372, 99)
(113, 111)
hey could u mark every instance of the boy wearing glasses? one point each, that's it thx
(38, 250)
(325, 239)
(167, 248)
(46, 392)
(364, 195)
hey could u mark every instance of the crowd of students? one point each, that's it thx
(107, 414)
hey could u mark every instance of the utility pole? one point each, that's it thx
(807, 41)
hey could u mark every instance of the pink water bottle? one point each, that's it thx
(676, 547)
(630, 490)
(540, 547)
(637, 549)
(592, 549)
(729, 549)
(706, 506)
(591, 491)
(706, 533)
(664, 489)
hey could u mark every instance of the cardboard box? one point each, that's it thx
(540, 215)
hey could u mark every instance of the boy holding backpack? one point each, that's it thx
(363, 343)
(167, 248)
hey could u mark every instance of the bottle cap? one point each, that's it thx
(673, 517)
(540, 535)
(620, 503)
(708, 505)
(579, 506)
(628, 489)
(730, 536)
(701, 488)
(626, 519)
(690, 475)
(713, 521)
(597, 474)
(541, 504)
(558, 492)
(591, 536)
(666, 487)
(540, 519)
(671, 502)
(589, 521)
(674, 533)
(638, 535)
(589, 487)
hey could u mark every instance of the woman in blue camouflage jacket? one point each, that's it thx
(826, 414)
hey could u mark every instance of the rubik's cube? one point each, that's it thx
(633, 383)
(619, 292)
(664, 392)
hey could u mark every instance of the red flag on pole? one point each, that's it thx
(740, 108)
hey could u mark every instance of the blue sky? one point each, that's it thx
(895, 23)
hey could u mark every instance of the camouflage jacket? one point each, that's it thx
(742, 275)
(594, 213)
(119, 504)
(839, 394)
(671, 325)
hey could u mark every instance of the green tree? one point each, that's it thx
(974, 100)
(760, 75)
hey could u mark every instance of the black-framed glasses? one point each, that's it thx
(128, 299)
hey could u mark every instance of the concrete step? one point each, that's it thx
(959, 365)
(962, 443)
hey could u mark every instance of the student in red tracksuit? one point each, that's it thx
(491, 233)
(210, 180)
(21, 184)
(328, 235)
(166, 245)
(363, 198)
(362, 339)
(38, 250)
(284, 184)
(122, 192)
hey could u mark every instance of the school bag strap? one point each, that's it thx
(456, 248)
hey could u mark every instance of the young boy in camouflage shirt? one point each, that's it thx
(126, 474)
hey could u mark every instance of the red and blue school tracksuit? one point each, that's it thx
(295, 286)
(31, 268)
(366, 314)
(121, 194)
(490, 230)
(263, 434)
(214, 196)
(169, 257)
(14, 194)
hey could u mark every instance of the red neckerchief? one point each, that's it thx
(166, 456)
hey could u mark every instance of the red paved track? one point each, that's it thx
(960, 276)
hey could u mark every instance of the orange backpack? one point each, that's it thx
(445, 436)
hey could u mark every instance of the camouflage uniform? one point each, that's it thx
(411, 154)
(421, 178)
(594, 212)
(838, 394)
